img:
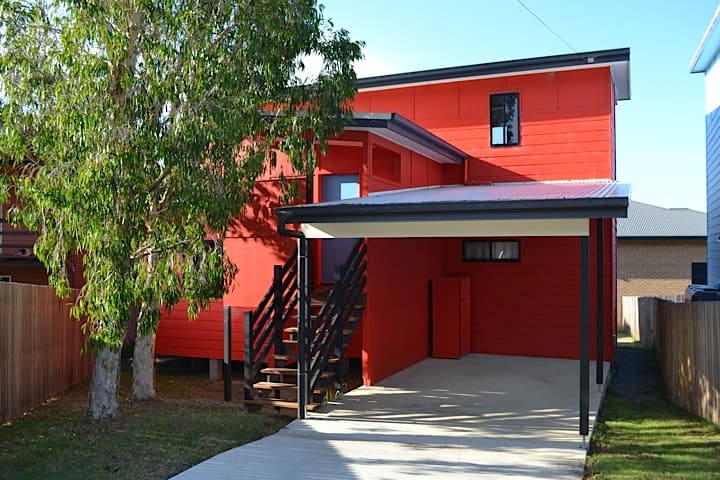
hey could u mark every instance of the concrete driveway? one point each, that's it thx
(481, 417)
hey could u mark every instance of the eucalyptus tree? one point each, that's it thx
(137, 130)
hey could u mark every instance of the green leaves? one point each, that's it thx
(135, 130)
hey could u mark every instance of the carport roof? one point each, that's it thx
(502, 201)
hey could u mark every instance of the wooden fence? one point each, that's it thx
(40, 347)
(686, 337)
(638, 316)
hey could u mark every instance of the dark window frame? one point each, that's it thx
(698, 277)
(493, 241)
(516, 141)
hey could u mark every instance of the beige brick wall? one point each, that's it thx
(656, 267)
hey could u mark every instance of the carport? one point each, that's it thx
(532, 209)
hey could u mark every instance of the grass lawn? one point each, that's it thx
(652, 439)
(188, 423)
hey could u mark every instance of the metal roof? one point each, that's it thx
(526, 200)
(709, 46)
(651, 221)
(400, 130)
(617, 59)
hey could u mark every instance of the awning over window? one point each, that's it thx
(504, 209)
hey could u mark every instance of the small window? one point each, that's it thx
(5, 278)
(698, 273)
(504, 119)
(491, 250)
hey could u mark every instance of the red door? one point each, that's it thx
(451, 317)
(465, 316)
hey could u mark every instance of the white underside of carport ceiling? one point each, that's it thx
(555, 227)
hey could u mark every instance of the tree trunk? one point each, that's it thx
(143, 385)
(102, 397)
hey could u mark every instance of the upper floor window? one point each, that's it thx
(504, 119)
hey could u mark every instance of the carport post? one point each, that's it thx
(599, 373)
(303, 311)
(584, 336)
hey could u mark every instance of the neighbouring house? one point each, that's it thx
(660, 251)
(472, 209)
(17, 259)
(18, 263)
(705, 61)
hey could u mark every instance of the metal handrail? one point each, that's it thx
(333, 317)
(264, 325)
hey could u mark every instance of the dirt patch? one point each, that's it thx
(636, 376)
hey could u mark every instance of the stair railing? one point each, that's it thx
(263, 327)
(341, 305)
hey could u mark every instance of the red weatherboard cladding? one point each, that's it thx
(528, 308)
(200, 338)
(566, 123)
(415, 169)
(532, 307)
(254, 246)
(396, 323)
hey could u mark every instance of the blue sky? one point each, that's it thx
(660, 131)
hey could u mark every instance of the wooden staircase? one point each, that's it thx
(334, 316)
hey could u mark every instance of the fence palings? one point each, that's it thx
(688, 347)
(40, 347)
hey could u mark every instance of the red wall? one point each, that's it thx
(531, 307)
(199, 338)
(566, 128)
(254, 246)
(415, 170)
(397, 323)
(526, 308)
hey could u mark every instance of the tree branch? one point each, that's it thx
(146, 251)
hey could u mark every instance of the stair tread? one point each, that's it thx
(293, 317)
(279, 371)
(346, 331)
(285, 386)
(273, 385)
(319, 303)
(284, 357)
(271, 402)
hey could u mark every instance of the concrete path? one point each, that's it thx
(481, 417)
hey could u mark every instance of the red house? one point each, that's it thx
(484, 200)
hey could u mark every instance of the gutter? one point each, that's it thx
(503, 210)
(603, 57)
